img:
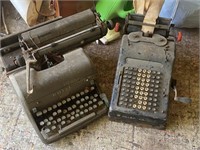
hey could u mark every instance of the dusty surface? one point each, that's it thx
(182, 132)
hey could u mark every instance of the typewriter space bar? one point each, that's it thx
(78, 122)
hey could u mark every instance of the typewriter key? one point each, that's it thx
(139, 102)
(144, 71)
(81, 106)
(41, 123)
(69, 108)
(92, 88)
(47, 130)
(139, 106)
(64, 102)
(77, 110)
(81, 112)
(55, 106)
(73, 113)
(94, 100)
(86, 97)
(154, 104)
(63, 117)
(144, 107)
(148, 76)
(141, 88)
(143, 79)
(38, 113)
(90, 108)
(68, 99)
(82, 93)
(90, 102)
(54, 113)
(34, 110)
(143, 75)
(49, 108)
(73, 106)
(77, 95)
(86, 110)
(157, 82)
(94, 106)
(45, 120)
(149, 71)
(59, 104)
(95, 95)
(86, 91)
(54, 122)
(136, 96)
(72, 118)
(155, 100)
(44, 111)
(77, 115)
(63, 122)
(134, 105)
(64, 111)
(86, 104)
(53, 127)
(78, 102)
(59, 111)
(48, 123)
(50, 118)
(145, 98)
(150, 94)
(73, 97)
(139, 70)
(150, 99)
(82, 99)
(137, 83)
(68, 115)
(144, 103)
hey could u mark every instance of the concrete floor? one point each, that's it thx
(183, 129)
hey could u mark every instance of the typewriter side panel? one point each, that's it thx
(135, 98)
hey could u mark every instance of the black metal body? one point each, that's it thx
(143, 79)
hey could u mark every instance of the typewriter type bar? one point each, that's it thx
(65, 98)
(143, 80)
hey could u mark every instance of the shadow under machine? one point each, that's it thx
(54, 79)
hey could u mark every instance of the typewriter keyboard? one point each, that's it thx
(140, 89)
(70, 112)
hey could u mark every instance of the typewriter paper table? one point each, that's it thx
(16, 132)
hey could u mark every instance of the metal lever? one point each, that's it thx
(185, 100)
(28, 74)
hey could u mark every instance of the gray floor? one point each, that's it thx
(183, 130)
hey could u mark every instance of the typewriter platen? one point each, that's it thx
(143, 76)
(53, 78)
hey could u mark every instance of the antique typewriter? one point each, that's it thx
(54, 79)
(143, 77)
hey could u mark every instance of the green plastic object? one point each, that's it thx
(109, 9)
